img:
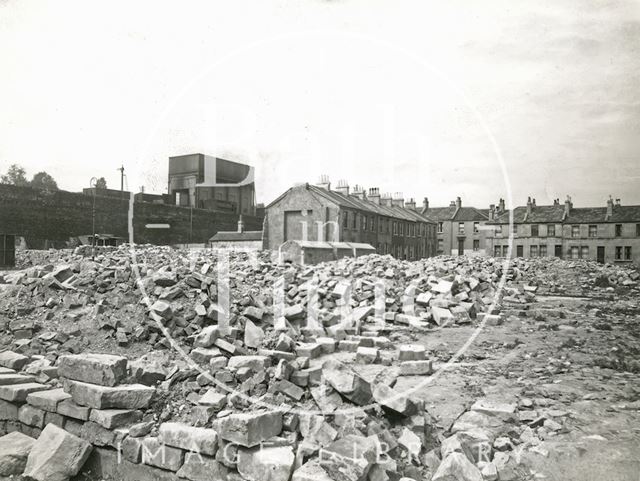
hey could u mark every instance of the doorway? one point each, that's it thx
(600, 254)
(460, 247)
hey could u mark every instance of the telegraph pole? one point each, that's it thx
(121, 169)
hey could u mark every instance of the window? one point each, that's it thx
(498, 230)
(593, 231)
(440, 227)
(395, 228)
(505, 251)
(520, 251)
(497, 250)
(476, 227)
(514, 228)
(387, 224)
(551, 230)
(558, 251)
(627, 253)
(345, 220)
(618, 230)
(618, 253)
(440, 245)
(354, 221)
(460, 227)
(533, 251)
(364, 222)
(584, 252)
(534, 230)
(575, 231)
(543, 251)
(476, 245)
(637, 230)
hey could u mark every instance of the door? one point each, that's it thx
(460, 247)
(601, 254)
(558, 251)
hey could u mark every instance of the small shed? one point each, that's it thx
(239, 240)
(7, 250)
(314, 252)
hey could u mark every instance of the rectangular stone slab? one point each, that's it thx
(19, 392)
(102, 369)
(47, 400)
(127, 396)
(6, 379)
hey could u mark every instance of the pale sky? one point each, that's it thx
(383, 93)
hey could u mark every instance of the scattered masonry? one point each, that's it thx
(307, 388)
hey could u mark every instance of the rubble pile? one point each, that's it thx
(297, 377)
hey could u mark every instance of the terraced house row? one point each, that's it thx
(318, 213)
(607, 234)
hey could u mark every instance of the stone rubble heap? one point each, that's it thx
(302, 389)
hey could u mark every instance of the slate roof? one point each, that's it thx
(353, 202)
(542, 214)
(454, 214)
(250, 235)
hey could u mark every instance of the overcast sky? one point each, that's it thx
(401, 95)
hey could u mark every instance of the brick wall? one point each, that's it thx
(50, 219)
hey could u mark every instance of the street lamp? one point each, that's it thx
(93, 183)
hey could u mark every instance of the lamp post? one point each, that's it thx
(92, 183)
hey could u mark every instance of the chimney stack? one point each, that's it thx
(398, 201)
(374, 195)
(501, 207)
(568, 205)
(343, 187)
(358, 192)
(386, 200)
(425, 203)
(324, 182)
(529, 206)
(609, 207)
(492, 212)
(410, 204)
(458, 202)
(618, 202)
(240, 224)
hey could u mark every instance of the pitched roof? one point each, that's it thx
(454, 214)
(353, 202)
(577, 215)
(250, 235)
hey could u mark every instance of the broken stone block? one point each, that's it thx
(131, 449)
(410, 441)
(203, 355)
(289, 389)
(457, 467)
(114, 418)
(349, 458)
(207, 337)
(266, 463)
(348, 346)
(126, 396)
(214, 399)
(441, 315)
(8, 411)
(154, 453)
(198, 467)
(13, 360)
(253, 335)
(140, 429)
(412, 352)
(394, 402)
(316, 430)
(295, 312)
(56, 455)
(19, 392)
(47, 400)
(189, 438)
(347, 382)
(492, 408)
(14, 450)
(162, 309)
(102, 369)
(367, 355)
(12, 378)
(416, 368)
(70, 409)
(31, 416)
(310, 350)
(249, 429)
(311, 471)
(328, 344)
(254, 363)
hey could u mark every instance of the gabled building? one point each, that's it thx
(606, 234)
(460, 230)
(319, 213)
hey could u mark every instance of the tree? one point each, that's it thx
(101, 183)
(44, 181)
(16, 175)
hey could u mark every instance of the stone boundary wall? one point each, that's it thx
(49, 219)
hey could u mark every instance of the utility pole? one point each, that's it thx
(92, 183)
